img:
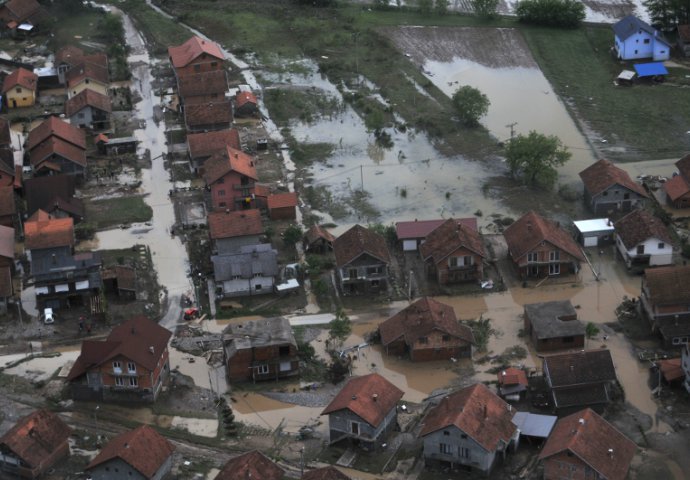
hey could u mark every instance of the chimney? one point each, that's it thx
(485, 411)
(354, 397)
(54, 259)
(510, 407)
(581, 421)
(572, 368)
(151, 349)
(375, 397)
(610, 452)
(227, 210)
(529, 226)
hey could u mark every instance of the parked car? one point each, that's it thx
(48, 316)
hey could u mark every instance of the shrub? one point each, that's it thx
(470, 105)
(551, 13)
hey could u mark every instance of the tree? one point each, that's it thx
(441, 6)
(551, 13)
(292, 234)
(485, 9)
(591, 330)
(339, 329)
(425, 6)
(667, 14)
(470, 105)
(533, 158)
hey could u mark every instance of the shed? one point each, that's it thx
(282, 206)
(652, 69)
(533, 425)
(594, 232)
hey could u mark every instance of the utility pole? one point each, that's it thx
(512, 129)
(361, 176)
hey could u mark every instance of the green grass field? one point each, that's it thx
(104, 214)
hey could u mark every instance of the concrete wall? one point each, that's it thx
(656, 255)
(203, 63)
(87, 83)
(232, 245)
(19, 97)
(247, 286)
(243, 365)
(614, 200)
(115, 469)
(473, 455)
(370, 437)
(367, 280)
(224, 195)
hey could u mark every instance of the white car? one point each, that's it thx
(48, 316)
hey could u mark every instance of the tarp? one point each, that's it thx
(650, 69)
(533, 425)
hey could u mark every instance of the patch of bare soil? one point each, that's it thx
(611, 8)
(491, 47)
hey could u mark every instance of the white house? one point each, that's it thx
(642, 239)
(251, 271)
(635, 39)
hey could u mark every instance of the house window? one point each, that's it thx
(374, 270)
(446, 338)
(626, 196)
(262, 369)
(468, 260)
(221, 193)
(374, 283)
(131, 367)
(554, 255)
(680, 340)
(19, 90)
(568, 339)
(646, 41)
(453, 262)
(133, 382)
(661, 245)
(117, 367)
(197, 68)
(605, 194)
(424, 340)
(354, 428)
(555, 269)
(222, 204)
(445, 448)
(446, 433)
(283, 351)
(533, 257)
(464, 452)
(353, 273)
(257, 287)
(640, 249)
(635, 52)
(214, 64)
(119, 381)
(463, 436)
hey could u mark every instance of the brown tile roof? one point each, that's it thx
(57, 146)
(671, 369)
(316, 232)
(512, 376)
(420, 319)
(7, 165)
(230, 160)
(282, 200)
(370, 397)
(579, 368)
(207, 143)
(126, 278)
(676, 187)
(7, 205)
(6, 242)
(476, 411)
(40, 191)
(638, 226)
(683, 166)
(88, 98)
(36, 436)
(253, 465)
(325, 473)
(449, 237)
(422, 228)
(79, 73)
(143, 449)
(182, 55)
(531, 229)
(668, 285)
(74, 56)
(244, 97)
(6, 287)
(594, 441)
(603, 174)
(5, 138)
(205, 83)
(22, 9)
(53, 126)
(234, 224)
(356, 241)
(132, 339)
(21, 77)
(210, 113)
(41, 232)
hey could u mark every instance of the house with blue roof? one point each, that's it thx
(635, 39)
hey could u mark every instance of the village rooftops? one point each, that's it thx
(259, 333)
(282, 200)
(357, 241)
(43, 231)
(53, 126)
(6, 242)
(325, 473)
(676, 187)
(370, 397)
(87, 98)
(183, 55)
(530, 230)
(250, 261)
(316, 232)
(208, 113)
(594, 225)
(207, 143)
(668, 285)
(7, 205)
(477, 412)
(35, 437)
(251, 465)
(91, 71)
(56, 146)
(20, 77)
(640, 225)
(243, 97)
(449, 237)
(603, 174)
(594, 441)
(203, 83)
(579, 368)
(143, 449)
(229, 160)
(233, 224)
(422, 228)
(554, 319)
(630, 25)
(512, 376)
(23, 10)
(72, 55)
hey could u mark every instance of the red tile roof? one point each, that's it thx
(357, 241)
(208, 113)
(282, 200)
(421, 318)
(7, 205)
(477, 412)
(671, 369)
(208, 143)
(22, 9)
(205, 83)
(676, 187)
(132, 339)
(53, 126)
(6, 242)
(683, 166)
(74, 56)
(42, 231)
(5, 138)
(422, 228)
(79, 73)
(183, 55)
(579, 368)
(603, 174)
(668, 285)
(87, 98)
(316, 232)
(638, 226)
(325, 473)
(36, 436)
(233, 224)
(143, 449)
(370, 397)
(254, 465)
(6, 287)
(512, 376)
(21, 77)
(56, 146)
(448, 238)
(245, 97)
(594, 441)
(231, 160)
(531, 230)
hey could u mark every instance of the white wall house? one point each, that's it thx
(643, 240)
(653, 251)
(635, 39)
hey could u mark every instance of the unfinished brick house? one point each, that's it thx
(453, 253)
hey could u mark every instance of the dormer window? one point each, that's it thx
(131, 367)
(117, 366)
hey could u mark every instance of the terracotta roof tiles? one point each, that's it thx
(21, 77)
(233, 224)
(448, 238)
(22, 10)
(357, 241)
(422, 228)
(531, 230)
(282, 200)
(53, 126)
(638, 226)
(56, 146)
(36, 436)
(92, 71)
(206, 114)
(603, 174)
(208, 143)
(41, 232)
(245, 97)
(6, 242)
(183, 55)
(579, 368)
(370, 397)
(668, 285)
(594, 441)
(676, 187)
(316, 232)
(87, 98)
(204, 83)
(230, 160)
(7, 204)
(253, 465)
(683, 166)
(512, 376)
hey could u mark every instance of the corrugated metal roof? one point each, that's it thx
(534, 425)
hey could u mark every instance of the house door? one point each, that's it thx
(353, 274)
(14, 103)
(554, 269)
(354, 428)
(533, 271)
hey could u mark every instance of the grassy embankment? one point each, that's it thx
(104, 214)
